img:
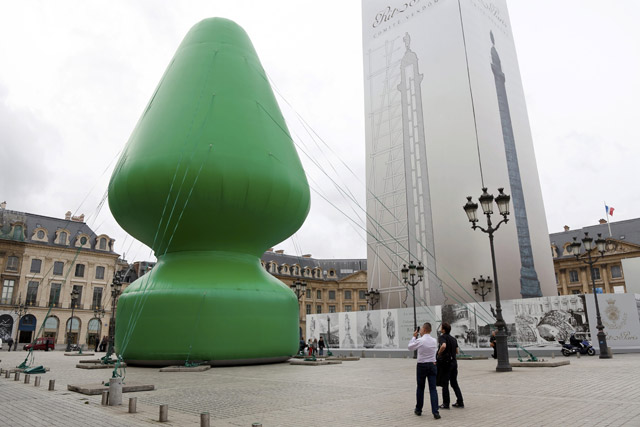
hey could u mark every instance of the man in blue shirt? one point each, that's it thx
(426, 369)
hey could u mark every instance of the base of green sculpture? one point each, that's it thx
(218, 308)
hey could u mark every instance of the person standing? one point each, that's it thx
(10, 342)
(315, 346)
(321, 346)
(492, 343)
(426, 369)
(448, 367)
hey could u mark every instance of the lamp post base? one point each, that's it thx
(602, 344)
(503, 352)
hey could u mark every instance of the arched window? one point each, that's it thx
(75, 324)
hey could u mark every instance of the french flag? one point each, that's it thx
(609, 210)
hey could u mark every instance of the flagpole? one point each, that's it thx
(608, 225)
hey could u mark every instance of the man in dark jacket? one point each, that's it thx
(448, 368)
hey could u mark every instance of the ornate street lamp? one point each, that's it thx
(409, 278)
(480, 285)
(20, 309)
(372, 296)
(299, 287)
(486, 201)
(116, 290)
(74, 298)
(601, 246)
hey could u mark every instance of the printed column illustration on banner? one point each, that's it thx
(420, 240)
(348, 327)
(209, 179)
(529, 284)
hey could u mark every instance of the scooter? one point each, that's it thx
(577, 346)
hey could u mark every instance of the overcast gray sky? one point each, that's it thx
(76, 75)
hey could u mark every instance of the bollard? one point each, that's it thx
(37, 382)
(204, 419)
(578, 354)
(133, 403)
(610, 352)
(105, 398)
(553, 355)
(115, 391)
(17, 376)
(256, 425)
(52, 385)
(27, 378)
(164, 413)
(7, 374)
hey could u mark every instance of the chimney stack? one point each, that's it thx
(280, 251)
(3, 205)
(67, 216)
(566, 228)
(602, 221)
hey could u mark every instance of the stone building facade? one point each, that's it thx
(572, 276)
(333, 285)
(42, 260)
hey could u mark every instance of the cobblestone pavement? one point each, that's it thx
(369, 392)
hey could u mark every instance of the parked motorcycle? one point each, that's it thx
(576, 346)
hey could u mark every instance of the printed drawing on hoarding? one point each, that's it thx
(6, 326)
(369, 329)
(472, 324)
(638, 305)
(329, 328)
(348, 328)
(617, 312)
(544, 321)
(390, 328)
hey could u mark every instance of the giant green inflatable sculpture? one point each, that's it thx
(209, 180)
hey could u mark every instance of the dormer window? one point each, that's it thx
(102, 244)
(62, 238)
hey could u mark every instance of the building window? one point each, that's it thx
(40, 234)
(575, 292)
(78, 289)
(96, 302)
(36, 265)
(103, 244)
(318, 309)
(332, 309)
(58, 268)
(361, 295)
(347, 294)
(347, 308)
(308, 308)
(32, 293)
(62, 238)
(332, 294)
(595, 273)
(12, 263)
(79, 270)
(556, 278)
(308, 293)
(616, 272)
(573, 276)
(100, 273)
(7, 292)
(54, 295)
(362, 307)
(319, 294)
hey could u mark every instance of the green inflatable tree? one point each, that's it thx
(209, 179)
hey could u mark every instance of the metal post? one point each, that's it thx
(205, 419)
(164, 413)
(37, 382)
(115, 391)
(501, 335)
(16, 377)
(27, 378)
(7, 374)
(133, 403)
(602, 337)
(52, 385)
(105, 398)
